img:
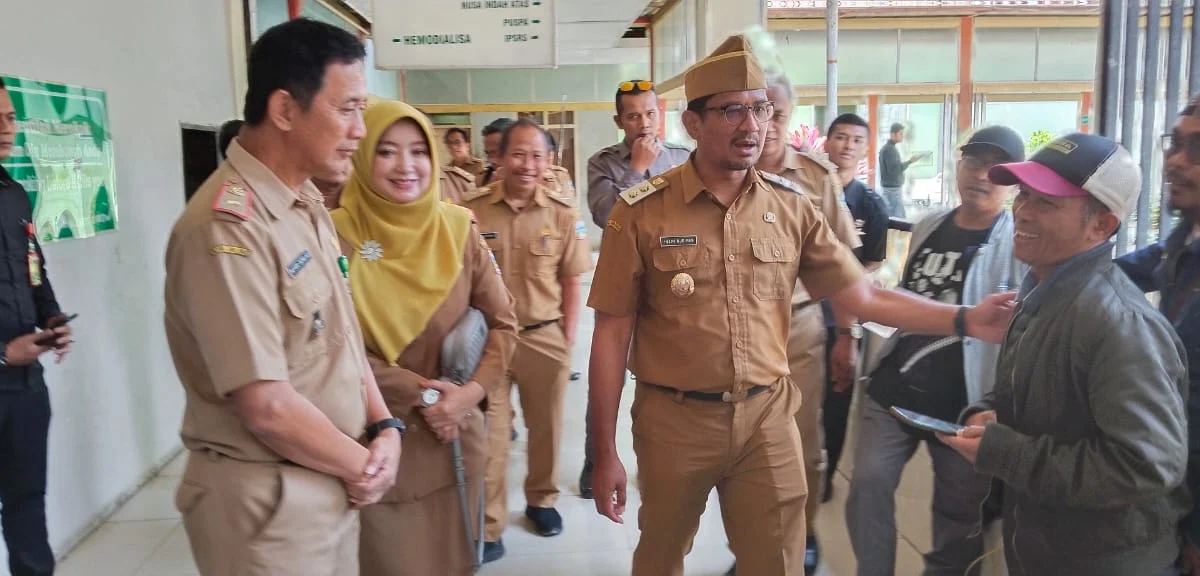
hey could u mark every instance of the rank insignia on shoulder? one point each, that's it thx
(234, 199)
(228, 249)
(782, 182)
(642, 191)
(614, 225)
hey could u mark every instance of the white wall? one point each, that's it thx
(117, 402)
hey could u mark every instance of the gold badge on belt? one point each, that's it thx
(682, 285)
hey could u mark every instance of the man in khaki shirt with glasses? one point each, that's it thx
(701, 263)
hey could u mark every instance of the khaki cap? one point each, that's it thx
(732, 67)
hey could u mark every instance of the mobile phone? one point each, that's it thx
(48, 336)
(923, 422)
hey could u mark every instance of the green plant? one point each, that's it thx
(1037, 140)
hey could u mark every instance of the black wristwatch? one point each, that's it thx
(960, 322)
(378, 427)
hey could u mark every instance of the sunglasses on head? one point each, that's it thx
(643, 85)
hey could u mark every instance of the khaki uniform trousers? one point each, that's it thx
(749, 451)
(806, 358)
(540, 368)
(252, 519)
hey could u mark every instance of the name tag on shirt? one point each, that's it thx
(490, 235)
(666, 241)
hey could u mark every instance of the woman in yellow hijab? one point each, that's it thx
(416, 265)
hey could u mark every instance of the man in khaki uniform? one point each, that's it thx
(817, 176)
(456, 183)
(541, 245)
(458, 143)
(701, 262)
(264, 335)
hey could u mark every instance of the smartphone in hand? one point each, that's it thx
(923, 422)
(48, 336)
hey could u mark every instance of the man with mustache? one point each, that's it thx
(612, 170)
(701, 263)
(1172, 268)
(1086, 427)
(956, 256)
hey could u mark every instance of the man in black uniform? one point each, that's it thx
(26, 303)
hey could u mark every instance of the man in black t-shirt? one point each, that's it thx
(846, 146)
(958, 257)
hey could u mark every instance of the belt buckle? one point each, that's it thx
(733, 397)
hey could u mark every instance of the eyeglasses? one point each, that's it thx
(735, 114)
(641, 85)
(976, 163)
(1172, 145)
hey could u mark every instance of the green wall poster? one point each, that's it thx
(64, 158)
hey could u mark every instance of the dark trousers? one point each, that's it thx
(24, 432)
(836, 415)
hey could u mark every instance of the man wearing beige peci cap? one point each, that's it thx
(701, 263)
(1086, 426)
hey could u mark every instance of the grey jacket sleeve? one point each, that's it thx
(607, 178)
(1139, 449)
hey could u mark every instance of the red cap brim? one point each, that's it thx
(1037, 176)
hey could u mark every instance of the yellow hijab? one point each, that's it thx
(406, 257)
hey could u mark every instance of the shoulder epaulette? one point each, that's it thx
(233, 198)
(564, 200)
(782, 182)
(821, 159)
(477, 193)
(644, 190)
(460, 172)
(674, 145)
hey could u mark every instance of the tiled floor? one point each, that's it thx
(145, 537)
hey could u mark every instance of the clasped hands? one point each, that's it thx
(379, 474)
(449, 416)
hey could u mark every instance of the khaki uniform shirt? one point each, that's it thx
(475, 166)
(535, 247)
(456, 183)
(710, 285)
(254, 292)
(818, 177)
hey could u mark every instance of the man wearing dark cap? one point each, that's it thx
(1086, 428)
(701, 263)
(956, 256)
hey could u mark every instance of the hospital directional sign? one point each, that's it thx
(465, 34)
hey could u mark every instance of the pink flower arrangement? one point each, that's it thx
(810, 138)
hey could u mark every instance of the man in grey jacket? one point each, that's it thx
(1086, 428)
(958, 256)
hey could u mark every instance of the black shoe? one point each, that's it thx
(812, 556)
(546, 521)
(732, 571)
(493, 551)
(585, 481)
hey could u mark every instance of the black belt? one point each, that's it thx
(712, 396)
(538, 325)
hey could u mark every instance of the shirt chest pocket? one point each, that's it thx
(681, 276)
(308, 321)
(774, 268)
(544, 253)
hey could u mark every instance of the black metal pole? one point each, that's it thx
(1129, 97)
(1194, 57)
(1109, 69)
(1149, 98)
(1174, 73)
